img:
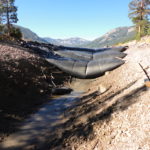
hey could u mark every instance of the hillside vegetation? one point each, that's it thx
(29, 35)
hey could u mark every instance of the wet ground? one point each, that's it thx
(41, 125)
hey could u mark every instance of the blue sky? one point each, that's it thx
(87, 19)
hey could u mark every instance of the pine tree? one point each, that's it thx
(8, 13)
(139, 12)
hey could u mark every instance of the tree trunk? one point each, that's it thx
(8, 21)
(139, 30)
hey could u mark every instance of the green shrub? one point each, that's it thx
(1, 28)
(15, 33)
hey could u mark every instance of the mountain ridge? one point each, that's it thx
(74, 41)
(117, 35)
(29, 35)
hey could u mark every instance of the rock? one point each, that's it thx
(147, 84)
(107, 72)
(102, 89)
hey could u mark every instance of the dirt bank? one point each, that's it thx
(26, 80)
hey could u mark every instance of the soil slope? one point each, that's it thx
(26, 80)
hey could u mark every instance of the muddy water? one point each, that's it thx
(36, 129)
(47, 121)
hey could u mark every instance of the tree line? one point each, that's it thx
(8, 16)
(139, 11)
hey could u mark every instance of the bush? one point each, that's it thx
(1, 28)
(15, 33)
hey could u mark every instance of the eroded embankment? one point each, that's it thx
(50, 121)
(26, 80)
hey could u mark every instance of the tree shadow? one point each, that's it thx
(49, 135)
(91, 103)
(84, 131)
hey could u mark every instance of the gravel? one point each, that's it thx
(120, 117)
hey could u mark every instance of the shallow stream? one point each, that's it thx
(48, 120)
(41, 125)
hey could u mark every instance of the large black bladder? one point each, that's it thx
(96, 55)
(120, 48)
(86, 69)
(80, 62)
(86, 63)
